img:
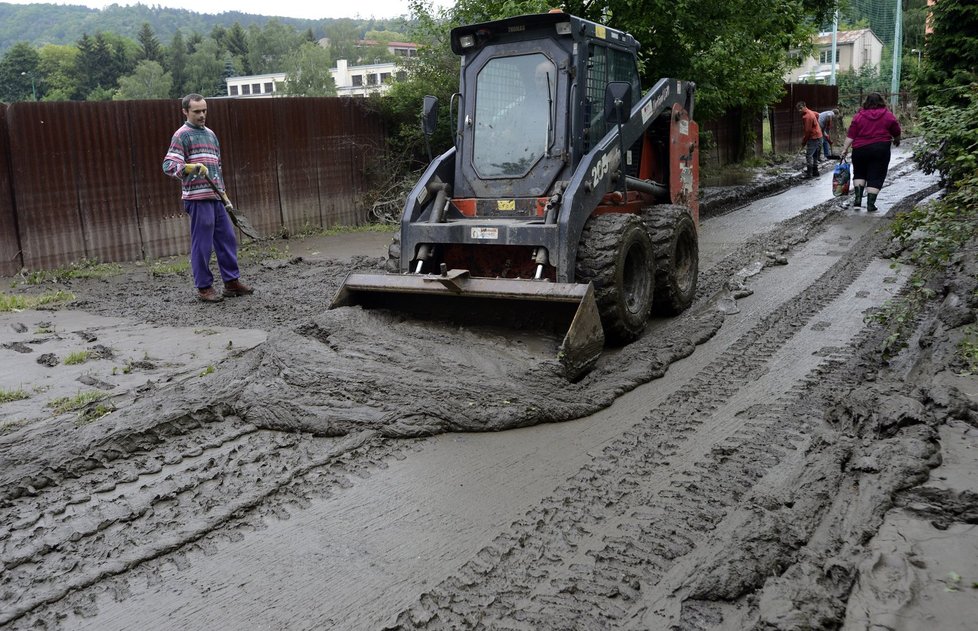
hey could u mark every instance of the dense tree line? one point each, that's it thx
(39, 24)
(105, 65)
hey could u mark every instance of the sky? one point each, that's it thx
(296, 9)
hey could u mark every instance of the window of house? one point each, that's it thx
(256, 88)
(825, 56)
(246, 89)
(371, 79)
(385, 77)
(268, 88)
(233, 90)
(357, 80)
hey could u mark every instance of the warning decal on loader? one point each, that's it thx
(485, 233)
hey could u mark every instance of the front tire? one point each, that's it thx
(616, 255)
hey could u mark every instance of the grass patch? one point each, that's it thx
(77, 357)
(169, 268)
(77, 402)
(261, 250)
(95, 412)
(6, 396)
(21, 303)
(207, 371)
(968, 351)
(85, 268)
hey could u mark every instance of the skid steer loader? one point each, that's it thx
(561, 203)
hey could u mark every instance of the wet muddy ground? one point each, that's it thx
(266, 463)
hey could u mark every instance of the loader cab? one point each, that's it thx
(532, 105)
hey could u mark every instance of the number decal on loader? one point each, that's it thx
(607, 163)
(506, 204)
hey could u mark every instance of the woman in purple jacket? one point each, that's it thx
(869, 135)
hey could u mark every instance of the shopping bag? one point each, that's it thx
(840, 178)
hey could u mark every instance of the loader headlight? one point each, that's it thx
(466, 41)
(563, 28)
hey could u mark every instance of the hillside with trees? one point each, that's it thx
(40, 24)
(140, 52)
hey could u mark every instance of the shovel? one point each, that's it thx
(237, 218)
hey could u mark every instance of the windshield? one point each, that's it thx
(512, 114)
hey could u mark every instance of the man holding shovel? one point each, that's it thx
(194, 158)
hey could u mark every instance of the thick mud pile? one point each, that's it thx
(768, 528)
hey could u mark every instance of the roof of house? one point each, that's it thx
(844, 37)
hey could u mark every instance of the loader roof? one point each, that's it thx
(472, 37)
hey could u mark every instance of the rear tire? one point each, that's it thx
(676, 247)
(616, 255)
(392, 263)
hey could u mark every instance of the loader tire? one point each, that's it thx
(676, 247)
(616, 255)
(392, 263)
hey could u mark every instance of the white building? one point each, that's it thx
(854, 50)
(350, 81)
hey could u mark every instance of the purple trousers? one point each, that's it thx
(211, 230)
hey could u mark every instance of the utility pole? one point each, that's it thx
(835, 46)
(897, 56)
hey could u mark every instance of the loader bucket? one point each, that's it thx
(567, 308)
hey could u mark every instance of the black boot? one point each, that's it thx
(858, 201)
(871, 202)
(815, 169)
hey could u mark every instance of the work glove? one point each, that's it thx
(896, 141)
(196, 170)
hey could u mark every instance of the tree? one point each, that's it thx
(343, 36)
(57, 66)
(149, 46)
(20, 79)
(205, 71)
(307, 72)
(236, 43)
(736, 52)
(99, 64)
(950, 62)
(148, 81)
(269, 47)
(177, 65)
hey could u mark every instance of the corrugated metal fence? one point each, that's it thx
(84, 180)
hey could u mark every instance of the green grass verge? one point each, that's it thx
(21, 303)
(7, 396)
(85, 268)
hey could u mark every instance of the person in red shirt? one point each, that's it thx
(872, 130)
(811, 140)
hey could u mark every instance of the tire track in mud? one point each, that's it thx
(595, 555)
(106, 522)
(95, 520)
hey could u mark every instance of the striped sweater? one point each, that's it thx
(198, 145)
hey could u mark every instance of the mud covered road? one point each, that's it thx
(267, 464)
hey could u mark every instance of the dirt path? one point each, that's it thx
(728, 470)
